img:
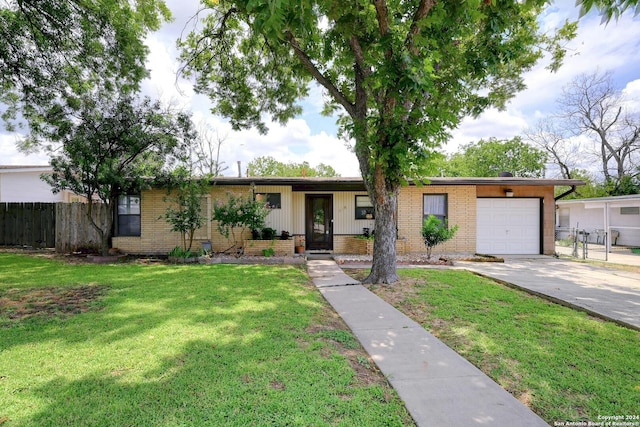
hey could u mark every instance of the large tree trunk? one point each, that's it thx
(385, 204)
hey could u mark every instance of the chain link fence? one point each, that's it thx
(583, 243)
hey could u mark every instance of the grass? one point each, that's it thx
(151, 345)
(563, 364)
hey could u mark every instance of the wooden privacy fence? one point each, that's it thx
(73, 229)
(27, 224)
(64, 226)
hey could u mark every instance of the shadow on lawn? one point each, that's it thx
(178, 345)
(142, 298)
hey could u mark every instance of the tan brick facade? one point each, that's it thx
(157, 238)
(352, 245)
(461, 209)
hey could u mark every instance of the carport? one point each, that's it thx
(608, 220)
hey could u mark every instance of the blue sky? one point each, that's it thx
(311, 137)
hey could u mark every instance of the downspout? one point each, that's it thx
(555, 199)
(566, 193)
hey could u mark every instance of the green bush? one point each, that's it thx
(435, 232)
(268, 233)
(269, 252)
(178, 252)
(242, 213)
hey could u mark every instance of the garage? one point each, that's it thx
(508, 226)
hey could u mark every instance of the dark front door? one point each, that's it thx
(319, 221)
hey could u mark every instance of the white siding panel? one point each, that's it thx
(26, 187)
(279, 219)
(344, 214)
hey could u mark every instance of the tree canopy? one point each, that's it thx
(54, 52)
(269, 166)
(490, 157)
(113, 148)
(401, 74)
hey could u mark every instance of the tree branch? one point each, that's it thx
(358, 54)
(382, 14)
(318, 76)
(421, 12)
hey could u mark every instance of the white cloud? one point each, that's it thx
(631, 94)
(11, 155)
(292, 142)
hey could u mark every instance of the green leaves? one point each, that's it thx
(55, 52)
(269, 166)
(239, 212)
(434, 232)
(488, 158)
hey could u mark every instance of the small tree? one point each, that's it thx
(239, 212)
(434, 231)
(185, 210)
(111, 149)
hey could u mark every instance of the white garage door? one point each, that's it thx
(508, 226)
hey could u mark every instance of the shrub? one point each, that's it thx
(268, 233)
(435, 232)
(179, 252)
(185, 213)
(285, 235)
(268, 252)
(239, 212)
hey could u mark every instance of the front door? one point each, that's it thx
(319, 221)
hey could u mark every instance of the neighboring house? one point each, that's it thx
(23, 184)
(619, 216)
(495, 215)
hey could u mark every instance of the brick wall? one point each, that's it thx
(280, 247)
(157, 237)
(461, 211)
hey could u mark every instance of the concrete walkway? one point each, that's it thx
(439, 387)
(604, 292)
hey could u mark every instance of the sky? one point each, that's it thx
(311, 137)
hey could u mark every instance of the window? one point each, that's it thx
(631, 210)
(364, 208)
(563, 218)
(128, 216)
(272, 200)
(436, 205)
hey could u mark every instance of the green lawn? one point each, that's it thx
(162, 345)
(564, 364)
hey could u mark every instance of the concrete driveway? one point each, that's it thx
(604, 292)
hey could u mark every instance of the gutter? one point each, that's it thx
(566, 193)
